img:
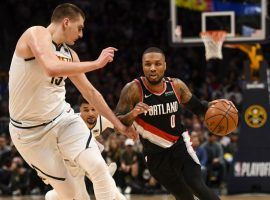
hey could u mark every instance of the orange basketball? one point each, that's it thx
(221, 118)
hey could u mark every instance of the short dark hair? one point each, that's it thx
(82, 100)
(66, 10)
(153, 50)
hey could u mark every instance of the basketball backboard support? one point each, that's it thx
(245, 21)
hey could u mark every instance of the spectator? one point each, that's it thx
(19, 180)
(5, 151)
(201, 153)
(230, 149)
(215, 164)
(129, 164)
(15, 179)
(112, 153)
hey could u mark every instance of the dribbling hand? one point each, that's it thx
(139, 109)
(106, 56)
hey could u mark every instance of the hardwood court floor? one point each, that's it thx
(157, 197)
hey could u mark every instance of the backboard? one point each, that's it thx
(244, 21)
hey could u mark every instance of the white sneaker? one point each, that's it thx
(127, 190)
(51, 195)
(112, 167)
(119, 195)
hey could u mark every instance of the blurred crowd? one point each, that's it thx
(130, 26)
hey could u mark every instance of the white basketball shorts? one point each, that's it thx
(44, 147)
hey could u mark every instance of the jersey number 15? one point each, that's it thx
(56, 81)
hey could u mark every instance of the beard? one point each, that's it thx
(156, 82)
(91, 120)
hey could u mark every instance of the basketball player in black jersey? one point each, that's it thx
(152, 104)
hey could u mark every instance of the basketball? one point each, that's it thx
(221, 118)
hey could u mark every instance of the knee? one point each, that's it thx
(97, 168)
(67, 194)
(92, 164)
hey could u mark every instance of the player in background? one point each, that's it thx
(96, 124)
(94, 121)
(152, 103)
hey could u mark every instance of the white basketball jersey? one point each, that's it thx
(101, 124)
(34, 97)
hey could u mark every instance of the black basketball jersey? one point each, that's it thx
(161, 126)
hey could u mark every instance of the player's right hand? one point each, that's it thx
(139, 109)
(105, 56)
(130, 131)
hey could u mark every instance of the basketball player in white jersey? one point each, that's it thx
(43, 127)
(97, 124)
(94, 121)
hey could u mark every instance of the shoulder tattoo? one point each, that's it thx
(129, 97)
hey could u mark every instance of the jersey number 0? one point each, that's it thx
(172, 121)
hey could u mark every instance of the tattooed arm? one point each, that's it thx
(129, 105)
(189, 100)
(182, 90)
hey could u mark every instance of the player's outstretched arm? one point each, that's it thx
(90, 93)
(189, 100)
(129, 105)
(95, 98)
(39, 40)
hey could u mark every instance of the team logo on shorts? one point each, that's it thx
(255, 116)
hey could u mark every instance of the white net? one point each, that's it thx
(213, 41)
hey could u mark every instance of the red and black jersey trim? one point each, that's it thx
(154, 130)
(140, 89)
(150, 90)
(177, 94)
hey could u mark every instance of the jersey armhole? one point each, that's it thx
(140, 89)
(177, 94)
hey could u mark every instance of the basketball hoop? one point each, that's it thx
(213, 41)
